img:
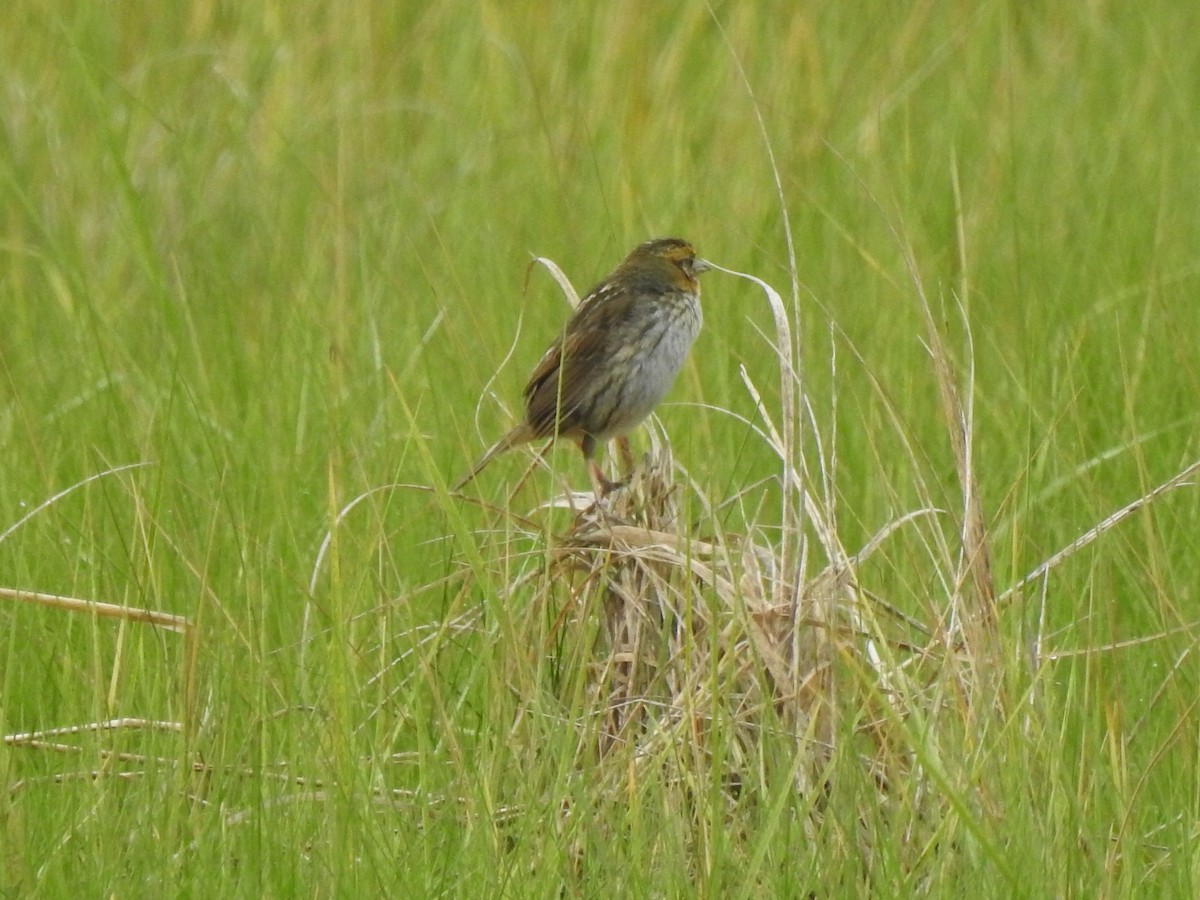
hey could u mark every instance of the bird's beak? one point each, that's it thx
(700, 265)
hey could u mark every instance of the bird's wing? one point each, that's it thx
(566, 377)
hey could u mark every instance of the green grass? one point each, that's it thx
(275, 257)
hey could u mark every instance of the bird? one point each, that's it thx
(616, 358)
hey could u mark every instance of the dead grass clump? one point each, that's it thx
(696, 657)
(696, 631)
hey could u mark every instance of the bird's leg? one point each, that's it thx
(626, 456)
(601, 486)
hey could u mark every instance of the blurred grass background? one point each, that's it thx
(277, 252)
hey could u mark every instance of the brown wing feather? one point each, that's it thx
(561, 383)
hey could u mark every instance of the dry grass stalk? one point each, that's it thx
(168, 621)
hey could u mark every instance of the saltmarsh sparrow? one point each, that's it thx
(617, 356)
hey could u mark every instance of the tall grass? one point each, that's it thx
(899, 600)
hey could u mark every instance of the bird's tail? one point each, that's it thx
(518, 435)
